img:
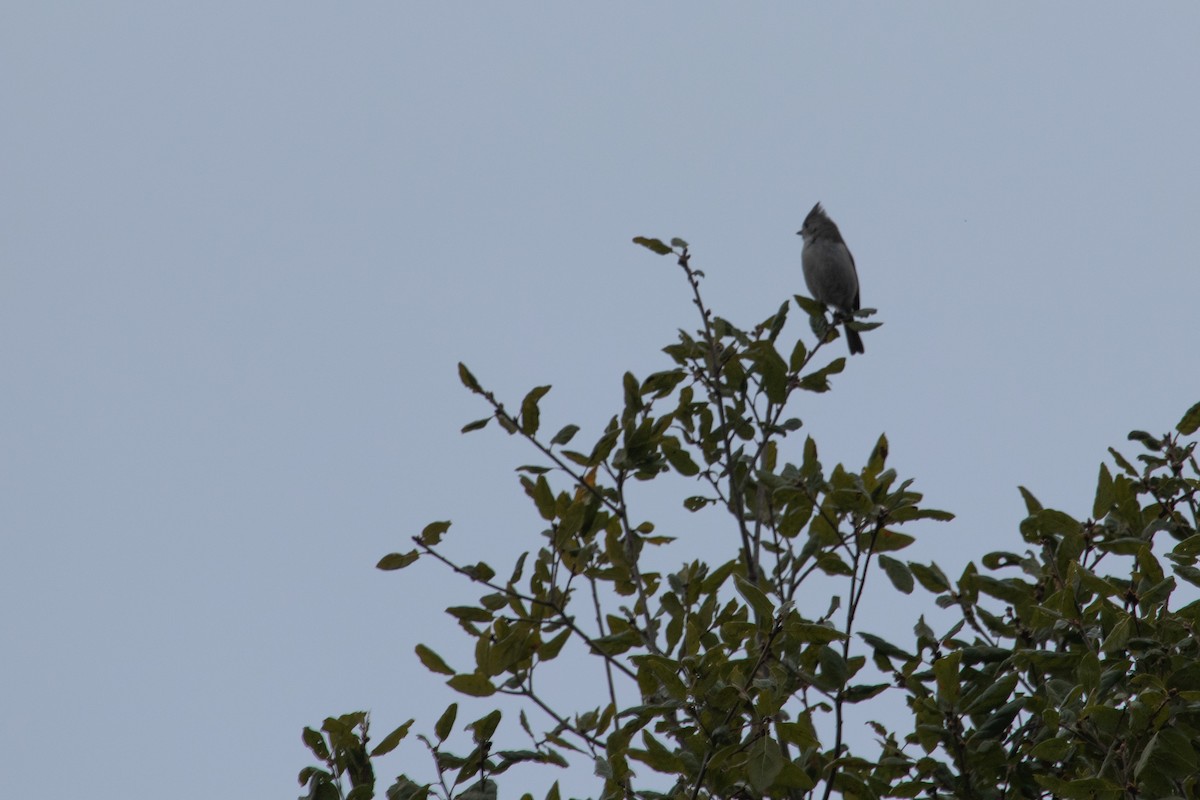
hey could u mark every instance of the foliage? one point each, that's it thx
(723, 681)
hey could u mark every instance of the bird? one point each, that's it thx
(829, 270)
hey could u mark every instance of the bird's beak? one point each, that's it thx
(800, 232)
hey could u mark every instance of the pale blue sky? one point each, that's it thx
(243, 245)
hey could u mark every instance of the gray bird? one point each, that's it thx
(829, 270)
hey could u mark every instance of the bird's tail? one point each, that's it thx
(855, 341)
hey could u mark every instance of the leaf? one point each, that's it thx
(389, 742)
(1189, 574)
(315, 742)
(931, 577)
(432, 661)
(898, 573)
(397, 560)
(479, 571)
(530, 416)
(656, 245)
(483, 728)
(1032, 506)
(468, 380)
(994, 695)
(565, 435)
(474, 685)
(1169, 753)
(770, 365)
(890, 541)
(543, 498)
(1151, 443)
(441, 728)
(754, 596)
(799, 354)
(679, 458)
(1190, 422)
(819, 381)
(469, 613)
(1118, 637)
(810, 306)
(1051, 749)
(884, 647)
(856, 694)
(549, 650)
(476, 425)
(833, 666)
(763, 763)
(431, 534)
(660, 384)
(946, 671)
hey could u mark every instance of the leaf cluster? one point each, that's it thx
(727, 679)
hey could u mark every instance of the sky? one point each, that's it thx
(244, 245)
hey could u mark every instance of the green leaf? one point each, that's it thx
(999, 722)
(856, 694)
(679, 458)
(1105, 495)
(890, 541)
(469, 613)
(833, 666)
(483, 728)
(810, 306)
(770, 365)
(996, 694)
(1169, 753)
(543, 498)
(657, 245)
(878, 459)
(431, 534)
(530, 416)
(479, 571)
(1190, 422)
(389, 742)
(1189, 574)
(476, 425)
(1051, 749)
(432, 661)
(315, 742)
(932, 578)
(549, 650)
(565, 435)
(946, 671)
(660, 384)
(898, 573)
(1151, 443)
(1118, 637)
(397, 560)
(819, 381)
(468, 380)
(1032, 506)
(885, 647)
(764, 760)
(754, 596)
(441, 728)
(474, 685)
(799, 354)
(1122, 463)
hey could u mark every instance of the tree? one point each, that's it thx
(722, 681)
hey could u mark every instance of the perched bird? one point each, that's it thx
(829, 270)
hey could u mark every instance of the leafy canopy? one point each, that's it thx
(1072, 667)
